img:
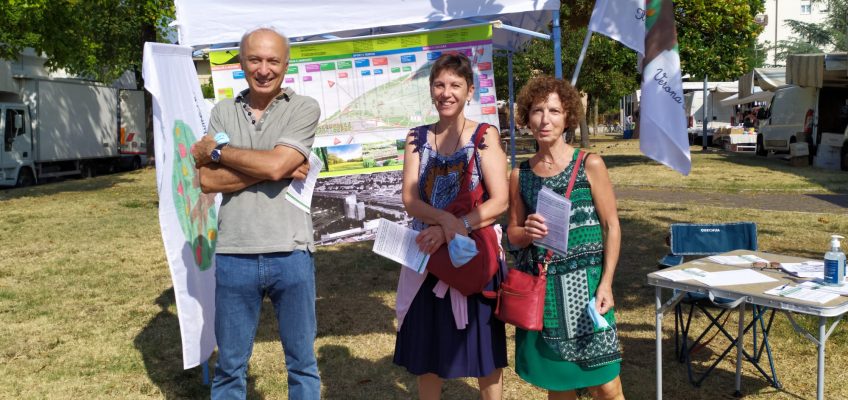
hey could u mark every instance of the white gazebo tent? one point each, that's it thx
(204, 23)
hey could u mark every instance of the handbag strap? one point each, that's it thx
(543, 266)
(479, 134)
(580, 156)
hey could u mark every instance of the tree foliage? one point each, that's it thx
(716, 38)
(608, 71)
(817, 37)
(99, 38)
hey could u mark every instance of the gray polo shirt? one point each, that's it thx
(259, 219)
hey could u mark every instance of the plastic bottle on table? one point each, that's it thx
(834, 262)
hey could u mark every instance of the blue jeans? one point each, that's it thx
(242, 281)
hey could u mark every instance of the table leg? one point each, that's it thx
(659, 317)
(740, 350)
(822, 341)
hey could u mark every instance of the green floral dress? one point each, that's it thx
(569, 352)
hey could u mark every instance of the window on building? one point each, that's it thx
(806, 7)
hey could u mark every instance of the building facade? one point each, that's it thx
(774, 19)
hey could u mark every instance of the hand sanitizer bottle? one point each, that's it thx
(834, 263)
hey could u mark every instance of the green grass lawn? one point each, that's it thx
(87, 308)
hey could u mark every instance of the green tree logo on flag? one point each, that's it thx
(195, 209)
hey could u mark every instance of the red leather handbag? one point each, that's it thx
(472, 277)
(521, 297)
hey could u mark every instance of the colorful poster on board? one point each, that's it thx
(371, 91)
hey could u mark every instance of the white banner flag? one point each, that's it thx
(662, 117)
(188, 218)
(621, 20)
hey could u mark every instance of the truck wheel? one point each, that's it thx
(136, 163)
(25, 178)
(843, 157)
(761, 150)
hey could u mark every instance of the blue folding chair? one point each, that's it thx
(705, 240)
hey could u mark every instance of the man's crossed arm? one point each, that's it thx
(242, 168)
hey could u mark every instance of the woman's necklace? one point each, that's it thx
(458, 137)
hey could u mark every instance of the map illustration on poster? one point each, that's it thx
(371, 91)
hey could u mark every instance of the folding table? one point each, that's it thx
(753, 294)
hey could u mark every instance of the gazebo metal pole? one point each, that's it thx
(556, 35)
(511, 109)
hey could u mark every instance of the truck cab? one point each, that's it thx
(16, 154)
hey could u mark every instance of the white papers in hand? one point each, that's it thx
(734, 277)
(556, 210)
(744, 259)
(803, 292)
(299, 192)
(397, 243)
(682, 274)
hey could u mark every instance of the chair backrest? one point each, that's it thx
(709, 239)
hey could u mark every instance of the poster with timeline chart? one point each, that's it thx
(371, 91)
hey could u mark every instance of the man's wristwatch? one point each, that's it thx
(222, 139)
(216, 153)
(468, 227)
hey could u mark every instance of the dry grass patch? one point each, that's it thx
(87, 309)
(715, 170)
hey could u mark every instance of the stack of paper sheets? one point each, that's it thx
(807, 291)
(721, 278)
(744, 259)
(806, 269)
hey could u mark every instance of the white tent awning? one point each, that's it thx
(207, 22)
(764, 78)
(759, 96)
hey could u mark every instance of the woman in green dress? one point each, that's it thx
(572, 351)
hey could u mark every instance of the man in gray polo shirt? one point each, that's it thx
(256, 144)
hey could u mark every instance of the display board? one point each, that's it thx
(371, 91)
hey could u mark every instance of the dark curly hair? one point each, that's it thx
(538, 90)
(457, 63)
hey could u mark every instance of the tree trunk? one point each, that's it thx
(148, 34)
(595, 120)
(584, 133)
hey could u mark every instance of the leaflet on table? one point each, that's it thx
(803, 292)
(806, 269)
(556, 210)
(838, 289)
(682, 274)
(397, 243)
(744, 259)
(299, 192)
(734, 277)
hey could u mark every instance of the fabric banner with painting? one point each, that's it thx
(187, 217)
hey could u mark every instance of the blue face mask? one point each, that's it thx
(598, 319)
(461, 250)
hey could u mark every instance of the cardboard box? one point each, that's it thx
(803, 161)
(740, 147)
(799, 149)
(828, 152)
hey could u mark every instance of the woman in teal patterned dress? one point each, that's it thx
(571, 351)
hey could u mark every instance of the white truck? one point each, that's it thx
(53, 127)
(813, 105)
